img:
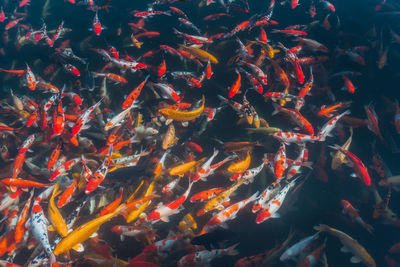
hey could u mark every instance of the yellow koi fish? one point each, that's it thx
(55, 216)
(84, 231)
(199, 53)
(240, 166)
(339, 158)
(178, 115)
(133, 215)
(180, 170)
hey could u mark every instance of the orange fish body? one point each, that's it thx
(235, 87)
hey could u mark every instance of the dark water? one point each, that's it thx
(317, 201)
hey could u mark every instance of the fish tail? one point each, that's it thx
(322, 228)
(368, 227)
(120, 209)
(232, 250)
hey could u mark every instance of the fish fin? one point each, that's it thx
(51, 228)
(164, 219)
(86, 126)
(93, 235)
(344, 249)
(307, 164)
(276, 215)
(275, 109)
(354, 175)
(224, 225)
(232, 250)
(78, 248)
(355, 259)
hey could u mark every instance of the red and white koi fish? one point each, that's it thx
(30, 78)
(227, 214)
(10, 199)
(97, 27)
(167, 91)
(146, 14)
(257, 71)
(80, 124)
(235, 105)
(300, 161)
(72, 69)
(290, 137)
(171, 51)
(330, 125)
(280, 162)
(353, 214)
(100, 173)
(265, 196)
(174, 207)
(248, 175)
(161, 247)
(59, 32)
(358, 166)
(291, 32)
(66, 166)
(118, 119)
(187, 37)
(277, 96)
(296, 117)
(132, 231)
(19, 160)
(270, 209)
(170, 186)
(205, 169)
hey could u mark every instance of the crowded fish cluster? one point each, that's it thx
(143, 143)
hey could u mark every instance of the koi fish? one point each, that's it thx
(100, 173)
(97, 27)
(39, 224)
(164, 211)
(273, 205)
(349, 245)
(182, 115)
(83, 232)
(353, 214)
(358, 166)
(227, 214)
(30, 78)
(204, 257)
(81, 122)
(234, 89)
